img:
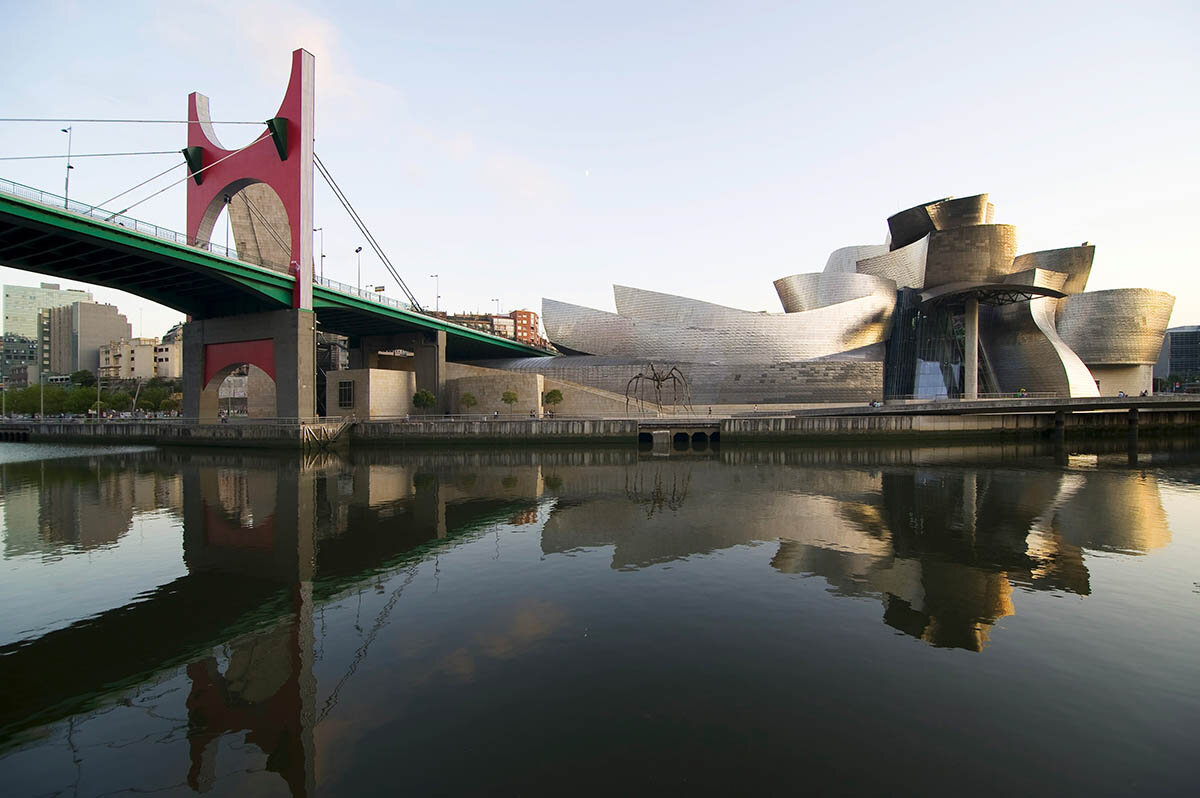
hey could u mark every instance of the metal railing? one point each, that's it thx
(146, 228)
(162, 233)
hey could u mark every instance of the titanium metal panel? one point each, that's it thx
(846, 258)
(1039, 278)
(948, 213)
(756, 338)
(904, 266)
(642, 305)
(1024, 350)
(803, 292)
(962, 212)
(1075, 262)
(982, 253)
(720, 383)
(1123, 325)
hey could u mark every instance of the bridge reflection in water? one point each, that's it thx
(940, 537)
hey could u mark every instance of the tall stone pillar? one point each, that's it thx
(971, 345)
(430, 351)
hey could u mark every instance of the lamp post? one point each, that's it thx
(67, 187)
(358, 252)
(437, 292)
(497, 301)
(321, 230)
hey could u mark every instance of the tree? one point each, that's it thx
(168, 405)
(552, 398)
(83, 377)
(509, 398)
(424, 399)
(468, 400)
(80, 400)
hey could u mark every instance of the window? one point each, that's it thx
(345, 394)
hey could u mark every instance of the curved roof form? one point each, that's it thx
(846, 258)
(756, 338)
(1075, 262)
(678, 311)
(1004, 293)
(982, 253)
(914, 223)
(905, 266)
(803, 292)
(1119, 326)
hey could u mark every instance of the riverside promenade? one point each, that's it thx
(910, 421)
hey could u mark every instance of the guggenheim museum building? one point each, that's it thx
(946, 307)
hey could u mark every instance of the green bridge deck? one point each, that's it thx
(154, 263)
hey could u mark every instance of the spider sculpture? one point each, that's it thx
(636, 387)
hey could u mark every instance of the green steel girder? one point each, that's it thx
(203, 284)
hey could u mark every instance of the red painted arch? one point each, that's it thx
(289, 173)
(259, 353)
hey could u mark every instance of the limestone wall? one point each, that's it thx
(377, 393)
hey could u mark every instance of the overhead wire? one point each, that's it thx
(128, 121)
(286, 246)
(362, 226)
(189, 176)
(144, 182)
(73, 156)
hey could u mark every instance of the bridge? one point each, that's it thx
(239, 313)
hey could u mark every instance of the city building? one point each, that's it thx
(1180, 355)
(141, 358)
(521, 325)
(16, 350)
(945, 307)
(71, 336)
(23, 303)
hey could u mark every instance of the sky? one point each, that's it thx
(523, 150)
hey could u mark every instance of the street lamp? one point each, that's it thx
(321, 230)
(67, 187)
(437, 293)
(358, 252)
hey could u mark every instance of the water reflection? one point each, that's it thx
(227, 650)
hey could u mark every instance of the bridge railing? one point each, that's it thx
(146, 228)
(362, 293)
(111, 217)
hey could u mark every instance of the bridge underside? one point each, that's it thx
(150, 262)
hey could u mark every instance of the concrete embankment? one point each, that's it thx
(523, 431)
(932, 427)
(243, 435)
(880, 426)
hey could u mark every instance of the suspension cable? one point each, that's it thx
(128, 121)
(84, 155)
(367, 233)
(188, 176)
(144, 182)
(286, 246)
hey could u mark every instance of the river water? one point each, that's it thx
(986, 620)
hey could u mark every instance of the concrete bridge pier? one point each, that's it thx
(281, 343)
(428, 359)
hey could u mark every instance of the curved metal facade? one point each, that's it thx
(1025, 351)
(914, 223)
(756, 338)
(846, 259)
(1123, 325)
(1075, 262)
(905, 266)
(803, 292)
(982, 252)
(941, 258)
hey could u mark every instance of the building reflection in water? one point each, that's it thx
(942, 545)
(941, 539)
